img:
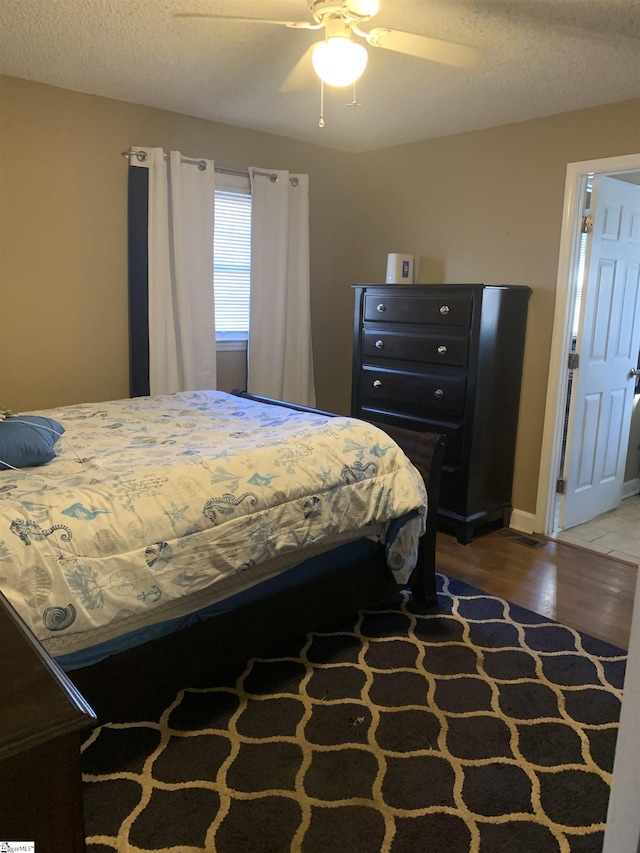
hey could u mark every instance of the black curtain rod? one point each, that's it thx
(202, 165)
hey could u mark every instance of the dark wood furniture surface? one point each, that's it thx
(42, 716)
(447, 359)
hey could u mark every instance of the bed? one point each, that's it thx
(167, 537)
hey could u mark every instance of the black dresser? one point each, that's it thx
(43, 719)
(447, 358)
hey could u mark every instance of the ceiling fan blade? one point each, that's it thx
(298, 25)
(301, 75)
(423, 47)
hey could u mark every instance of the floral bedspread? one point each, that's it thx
(151, 499)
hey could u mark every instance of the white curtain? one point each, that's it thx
(182, 338)
(280, 361)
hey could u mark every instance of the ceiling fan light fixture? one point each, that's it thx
(339, 61)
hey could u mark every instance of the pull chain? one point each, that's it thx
(321, 122)
(354, 103)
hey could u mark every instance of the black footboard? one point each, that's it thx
(426, 451)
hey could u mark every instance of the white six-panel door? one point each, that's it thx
(608, 342)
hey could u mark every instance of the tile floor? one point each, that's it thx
(616, 533)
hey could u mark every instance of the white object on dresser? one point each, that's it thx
(399, 269)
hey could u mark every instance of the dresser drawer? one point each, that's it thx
(404, 346)
(423, 394)
(442, 309)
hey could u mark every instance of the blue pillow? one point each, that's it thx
(27, 440)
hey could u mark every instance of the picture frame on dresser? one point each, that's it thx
(447, 358)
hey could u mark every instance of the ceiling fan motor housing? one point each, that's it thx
(348, 10)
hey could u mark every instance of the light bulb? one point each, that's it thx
(339, 61)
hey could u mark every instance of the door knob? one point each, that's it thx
(633, 372)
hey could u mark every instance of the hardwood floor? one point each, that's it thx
(583, 590)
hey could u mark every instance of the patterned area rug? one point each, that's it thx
(479, 728)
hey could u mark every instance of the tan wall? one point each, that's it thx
(487, 207)
(477, 207)
(63, 240)
(232, 370)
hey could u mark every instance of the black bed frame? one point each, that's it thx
(137, 679)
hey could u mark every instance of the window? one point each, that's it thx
(232, 259)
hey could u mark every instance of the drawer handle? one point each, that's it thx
(377, 383)
(382, 307)
(439, 393)
(444, 309)
(379, 344)
(442, 349)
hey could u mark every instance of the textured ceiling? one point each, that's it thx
(539, 57)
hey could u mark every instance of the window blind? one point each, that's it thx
(232, 259)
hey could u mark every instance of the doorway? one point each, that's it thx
(579, 178)
(614, 534)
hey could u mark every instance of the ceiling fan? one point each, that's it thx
(340, 60)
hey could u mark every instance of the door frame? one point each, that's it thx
(575, 184)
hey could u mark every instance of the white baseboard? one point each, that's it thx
(523, 522)
(630, 488)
